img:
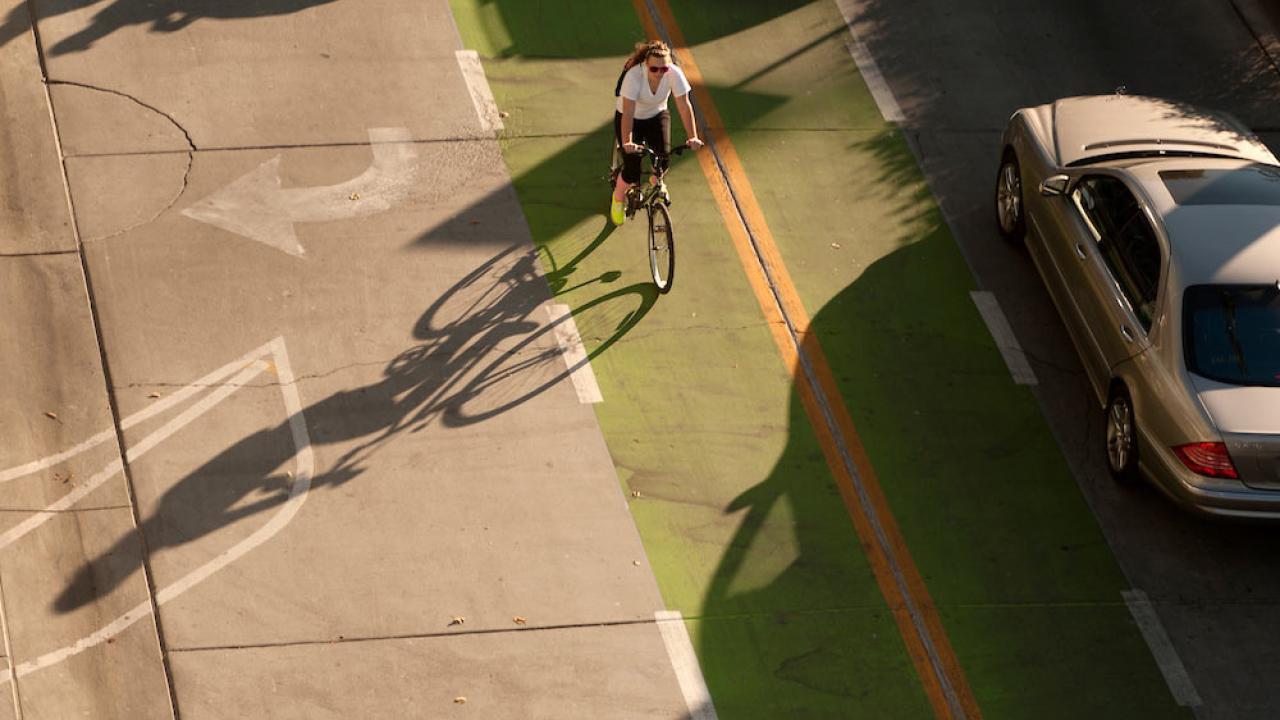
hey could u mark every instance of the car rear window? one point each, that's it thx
(1251, 185)
(1232, 333)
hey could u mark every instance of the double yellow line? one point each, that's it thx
(895, 572)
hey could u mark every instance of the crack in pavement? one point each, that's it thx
(41, 253)
(286, 146)
(186, 175)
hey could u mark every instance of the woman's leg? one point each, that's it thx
(630, 174)
(658, 135)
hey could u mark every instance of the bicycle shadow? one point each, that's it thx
(483, 348)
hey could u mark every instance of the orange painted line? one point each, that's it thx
(779, 302)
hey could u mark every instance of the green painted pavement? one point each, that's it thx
(740, 517)
(1027, 587)
(741, 522)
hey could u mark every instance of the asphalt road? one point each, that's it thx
(959, 69)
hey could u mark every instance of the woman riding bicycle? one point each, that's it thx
(648, 79)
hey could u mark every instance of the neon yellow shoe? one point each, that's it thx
(618, 212)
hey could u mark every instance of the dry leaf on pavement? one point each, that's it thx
(518, 620)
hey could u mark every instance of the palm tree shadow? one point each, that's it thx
(483, 348)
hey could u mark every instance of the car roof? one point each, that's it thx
(1093, 127)
(1212, 243)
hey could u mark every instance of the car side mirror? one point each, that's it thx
(1055, 185)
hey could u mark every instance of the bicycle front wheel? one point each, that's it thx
(662, 247)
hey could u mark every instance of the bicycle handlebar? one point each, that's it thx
(646, 150)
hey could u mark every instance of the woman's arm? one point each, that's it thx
(685, 108)
(628, 118)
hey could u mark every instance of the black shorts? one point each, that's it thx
(654, 132)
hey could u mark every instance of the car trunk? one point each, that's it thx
(1249, 420)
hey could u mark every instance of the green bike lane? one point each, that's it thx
(739, 513)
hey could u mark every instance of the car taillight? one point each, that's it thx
(1207, 458)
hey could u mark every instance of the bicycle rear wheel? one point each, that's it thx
(662, 247)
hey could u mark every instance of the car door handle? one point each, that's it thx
(1080, 251)
(1127, 333)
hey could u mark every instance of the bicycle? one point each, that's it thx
(654, 199)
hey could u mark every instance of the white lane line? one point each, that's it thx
(481, 95)
(65, 502)
(869, 70)
(1184, 692)
(304, 470)
(159, 406)
(1006, 341)
(685, 662)
(575, 355)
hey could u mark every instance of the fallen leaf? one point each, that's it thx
(473, 222)
(457, 620)
(504, 114)
(635, 493)
(51, 415)
(518, 620)
(154, 395)
(354, 196)
(835, 246)
(636, 563)
(460, 700)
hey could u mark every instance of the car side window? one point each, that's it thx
(1126, 240)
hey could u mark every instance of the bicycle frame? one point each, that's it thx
(643, 194)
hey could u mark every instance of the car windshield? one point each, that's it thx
(1232, 333)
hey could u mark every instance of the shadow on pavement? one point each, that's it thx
(161, 15)
(481, 349)
(519, 27)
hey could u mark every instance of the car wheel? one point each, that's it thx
(1009, 208)
(1122, 437)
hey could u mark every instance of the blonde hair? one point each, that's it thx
(646, 50)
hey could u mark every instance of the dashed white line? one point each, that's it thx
(575, 355)
(481, 95)
(1175, 674)
(869, 70)
(685, 663)
(1006, 341)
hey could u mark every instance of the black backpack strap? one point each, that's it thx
(617, 91)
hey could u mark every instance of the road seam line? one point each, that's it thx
(478, 87)
(574, 354)
(1175, 673)
(8, 651)
(675, 635)
(96, 323)
(305, 466)
(898, 578)
(1006, 341)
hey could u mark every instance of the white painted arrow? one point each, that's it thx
(256, 207)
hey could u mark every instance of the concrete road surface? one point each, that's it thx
(285, 435)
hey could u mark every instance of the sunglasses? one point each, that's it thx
(660, 70)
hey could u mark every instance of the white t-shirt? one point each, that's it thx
(635, 86)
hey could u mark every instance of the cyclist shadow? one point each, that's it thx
(483, 348)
